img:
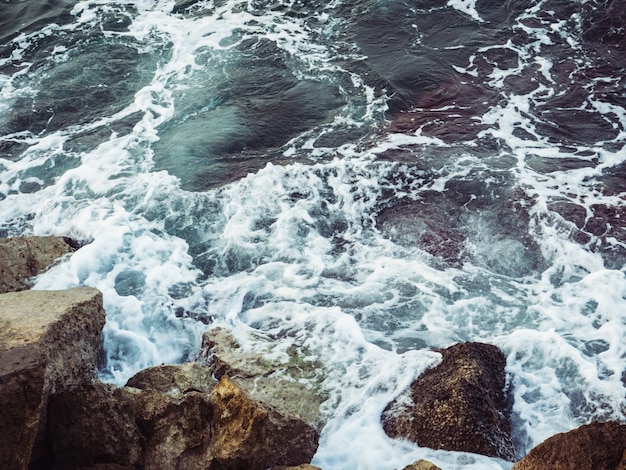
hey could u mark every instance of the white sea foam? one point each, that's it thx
(466, 6)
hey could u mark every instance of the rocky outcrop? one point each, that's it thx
(23, 258)
(248, 434)
(422, 465)
(458, 405)
(290, 384)
(48, 339)
(590, 447)
(172, 422)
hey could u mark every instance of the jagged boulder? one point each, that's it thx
(47, 339)
(22, 258)
(422, 465)
(251, 435)
(175, 379)
(168, 424)
(459, 405)
(297, 467)
(94, 423)
(590, 447)
(97, 424)
(288, 382)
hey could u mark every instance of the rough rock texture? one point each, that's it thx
(458, 405)
(47, 339)
(590, 447)
(174, 379)
(250, 435)
(297, 467)
(290, 384)
(422, 465)
(622, 464)
(94, 425)
(23, 258)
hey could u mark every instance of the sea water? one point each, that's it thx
(358, 182)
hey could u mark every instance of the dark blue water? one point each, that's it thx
(358, 182)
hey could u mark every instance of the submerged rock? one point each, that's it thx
(23, 258)
(590, 447)
(459, 405)
(167, 424)
(290, 384)
(48, 339)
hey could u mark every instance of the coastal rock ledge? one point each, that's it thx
(48, 339)
(459, 405)
(177, 419)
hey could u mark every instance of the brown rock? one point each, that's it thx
(100, 424)
(297, 467)
(94, 425)
(254, 436)
(458, 405)
(174, 379)
(291, 385)
(21, 404)
(422, 465)
(47, 339)
(23, 258)
(591, 447)
(622, 463)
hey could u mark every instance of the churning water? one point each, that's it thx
(358, 182)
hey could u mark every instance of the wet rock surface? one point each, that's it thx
(48, 339)
(590, 447)
(278, 382)
(458, 405)
(24, 257)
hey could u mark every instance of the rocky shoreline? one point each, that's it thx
(225, 411)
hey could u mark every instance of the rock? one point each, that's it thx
(175, 379)
(98, 425)
(422, 465)
(248, 434)
(93, 424)
(288, 382)
(459, 405)
(47, 339)
(590, 447)
(297, 467)
(23, 258)
(622, 463)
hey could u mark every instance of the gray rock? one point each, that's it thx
(174, 379)
(292, 385)
(23, 258)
